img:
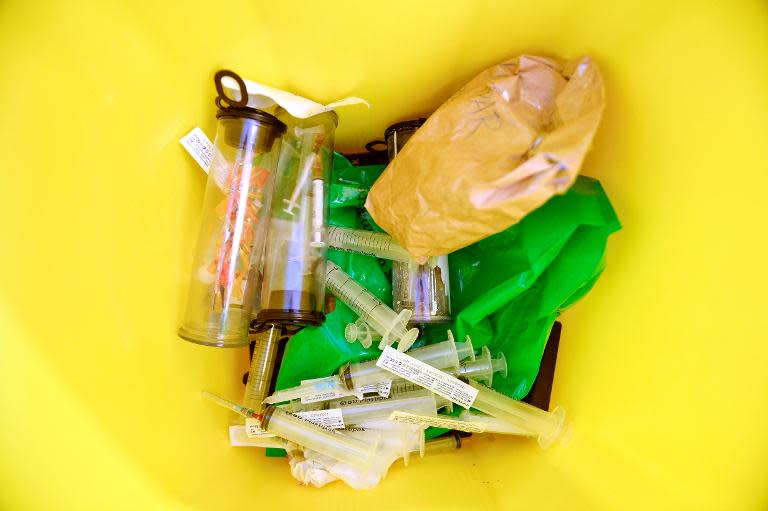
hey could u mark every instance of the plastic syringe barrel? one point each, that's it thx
(356, 411)
(442, 355)
(380, 316)
(492, 424)
(318, 385)
(545, 426)
(366, 242)
(262, 366)
(442, 444)
(331, 443)
(396, 437)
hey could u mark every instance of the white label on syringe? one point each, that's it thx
(330, 419)
(199, 147)
(326, 390)
(382, 389)
(438, 421)
(239, 437)
(253, 428)
(435, 380)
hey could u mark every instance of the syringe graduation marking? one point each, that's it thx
(346, 291)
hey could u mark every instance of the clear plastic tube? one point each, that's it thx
(492, 424)
(366, 242)
(446, 354)
(480, 369)
(225, 271)
(377, 314)
(443, 444)
(397, 438)
(331, 443)
(294, 263)
(231, 405)
(545, 426)
(356, 411)
(351, 377)
(262, 366)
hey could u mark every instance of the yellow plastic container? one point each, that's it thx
(662, 368)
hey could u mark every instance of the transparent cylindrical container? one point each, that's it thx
(225, 271)
(422, 288)
(266, 344)
(293, 289)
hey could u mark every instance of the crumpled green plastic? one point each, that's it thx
(506, 290)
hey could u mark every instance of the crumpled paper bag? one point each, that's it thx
(499, 148)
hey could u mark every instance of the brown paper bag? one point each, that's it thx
(496, 150)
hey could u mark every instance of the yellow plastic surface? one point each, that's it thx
(662, 368)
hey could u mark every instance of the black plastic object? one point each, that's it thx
(541, 390)
(398, 134)
(230, 107)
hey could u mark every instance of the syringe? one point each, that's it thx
(366, 242)
(332, 443)
(307, 142)
(545, 426)
(492, 424)
(480, 369)
(447, 443)
(226, 403)
(355, 412)
(351, 377)
(377, 314)
(262, 366)
(397, 438)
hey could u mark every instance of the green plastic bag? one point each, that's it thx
(506, 290)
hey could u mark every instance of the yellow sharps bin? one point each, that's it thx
(663, 367)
